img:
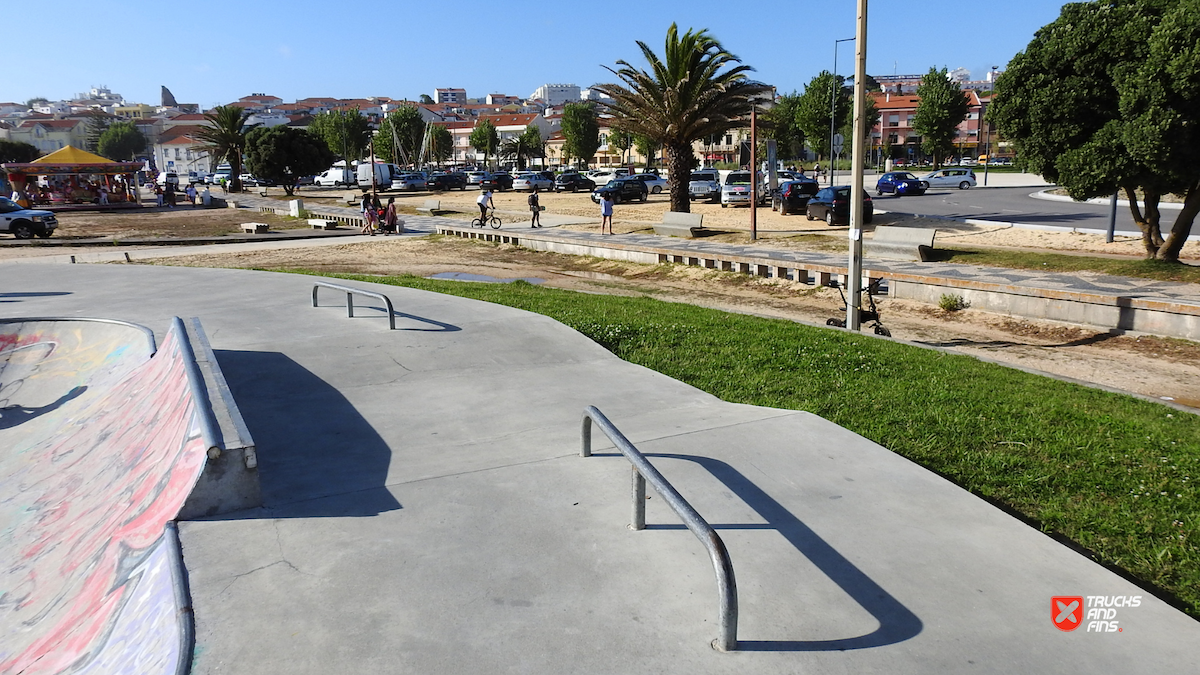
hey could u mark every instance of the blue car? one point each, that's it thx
(900, 183)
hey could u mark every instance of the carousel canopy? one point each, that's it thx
(72, 160)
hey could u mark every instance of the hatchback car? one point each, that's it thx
(963, 179)
(622, 190)
(529, 181)
(447, 181)
(25, 223)
(900, 183)
(793, 196)
(572, 182)
(832, 204)
(475, 177)
(409, 181)
(654, 183)
(496, 182)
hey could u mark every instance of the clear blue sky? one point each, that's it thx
(217, 51)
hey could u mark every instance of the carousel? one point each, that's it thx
(74, 179)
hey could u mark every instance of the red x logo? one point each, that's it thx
(1066, 611)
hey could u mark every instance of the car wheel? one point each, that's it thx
(657, 189)
(783, 209)
(644, 197)
(808, 215)
(964, 185)
(879, 193)
(924, 185)
(829, 217)
(616, 198)
(22, 231)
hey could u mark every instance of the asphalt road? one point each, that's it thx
(1010, 205)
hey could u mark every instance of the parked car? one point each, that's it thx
(447, 181)
(967, 161)
(25, 223)
(475, 177)
(168, 178)
(603, 176)
(654, 183)
(408, 181)
(832, 204)
(306, 180)
(496, 181)
(793, 196)
(963, 179)
(705, 184)
(622, 190)
(737, 189)
(196, 178)
(573, 181)
(900, 183)
(382, 175)
(335, 177)
(528, 181)
(220, 176)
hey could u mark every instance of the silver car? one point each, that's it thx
(737, 189)
(528, 181)
(962, 179)
(705, 184)
(475, 177)
(409, 181)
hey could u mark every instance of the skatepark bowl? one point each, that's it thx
(414, 500)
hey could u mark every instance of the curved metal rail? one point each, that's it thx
(350, 293)
(643, 471)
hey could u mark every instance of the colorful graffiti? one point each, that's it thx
(85, 492)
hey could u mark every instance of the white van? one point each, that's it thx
(335, 177)
(383, 176)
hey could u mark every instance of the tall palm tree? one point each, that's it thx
(682, 99)
(225, 140)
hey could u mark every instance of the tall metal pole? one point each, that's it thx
(982, 114)
(754, 172)
(1112, 217)
(854, 273)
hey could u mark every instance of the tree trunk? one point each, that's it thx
(235, 172)
(1182, 227)
(679, 164)
(1148, 223)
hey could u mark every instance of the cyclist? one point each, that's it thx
(485, 201)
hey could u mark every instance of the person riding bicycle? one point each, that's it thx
(485, 201)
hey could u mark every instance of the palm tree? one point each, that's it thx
(225, 140)
(681, 100)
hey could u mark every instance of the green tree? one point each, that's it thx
(1105, 99)
(823, 94)
(405, 125)
(621, 140)
(122, 141)
(224, 139)
(97, 123)
(525, 146)
(646, 147)
(17, 152)
(871, 112)
(485, 139)
(581, 131)
(441, 143)
(695, 92)
(347, 133)
(943, 106)
(283, 153)
(779, 123)
(426, 99)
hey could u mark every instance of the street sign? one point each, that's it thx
(838, 143)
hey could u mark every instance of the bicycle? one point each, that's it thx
(490, 219)
(868, 315)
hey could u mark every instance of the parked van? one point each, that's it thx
(335, 177)
(383, 176)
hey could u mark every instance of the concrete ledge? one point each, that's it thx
(430, 206)
(322, 224)
(677, 230)
(255, 228)
(901, 243)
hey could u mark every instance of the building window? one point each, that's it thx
(728, 139)
(893, 120)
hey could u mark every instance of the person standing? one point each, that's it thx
(368, 215)
(484, 202)
(390, 222)
(158, 195)
(536, 208)
(606, 212)
(191, 194)
(170, 195)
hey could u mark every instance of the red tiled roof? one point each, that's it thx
(261, 98)
(181, 130)
(61, 124)
(246, 104)
(178, 140)
(455, 125)
(189, 117)
(508, 120)
(285, 107)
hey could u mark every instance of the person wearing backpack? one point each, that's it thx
(535, 208)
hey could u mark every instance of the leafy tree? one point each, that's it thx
(347, 133)
(122, 141)
(484, 138)
(526, 146)
(581, 131)
(97, 123)
(646, 147)
(695, 92)
(426, 98)
(943, 106)
(17, 152)
(621, 140)
(779, 123)
(441, 143)
(871, 112)
(823, 93)
(1105, 99)
(283, 153)
(36, 100)
(405, 125)
(225, 139)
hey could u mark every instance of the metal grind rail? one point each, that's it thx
(350, 293)
(644, 471)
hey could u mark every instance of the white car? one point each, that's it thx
(475, 177)
(603, 176)
(963, 179)
(654, 183)
(409, 181)
(528, 181)
(737, 189)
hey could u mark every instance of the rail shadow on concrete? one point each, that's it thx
(313, 442)
(896, 622)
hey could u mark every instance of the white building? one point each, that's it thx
(556, 94)
(591, 94)
(449, 95)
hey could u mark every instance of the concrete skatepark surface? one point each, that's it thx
(426, 509)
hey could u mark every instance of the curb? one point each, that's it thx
(1101, 201)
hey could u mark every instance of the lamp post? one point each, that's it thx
(988, 128)
(833, 107)
(854, 271)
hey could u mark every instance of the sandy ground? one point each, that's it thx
(1156, 367)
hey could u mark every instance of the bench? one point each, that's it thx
(352, 198)
(430, 206)
(232, 203)
(255, 228)
(686, 225)
(901, 243)
(322, 224)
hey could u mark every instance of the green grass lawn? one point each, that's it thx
(1111, 473)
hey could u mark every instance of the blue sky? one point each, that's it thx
(217, 51)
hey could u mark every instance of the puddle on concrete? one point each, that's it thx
(482, 278)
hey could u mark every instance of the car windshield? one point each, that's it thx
(8, 205)
(702, 176)
(738, 179)
(904, 175)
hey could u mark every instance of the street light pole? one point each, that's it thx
(854, 273)
(988, 128)
(833, 108)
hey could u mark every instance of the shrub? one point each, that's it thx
(953, 303)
